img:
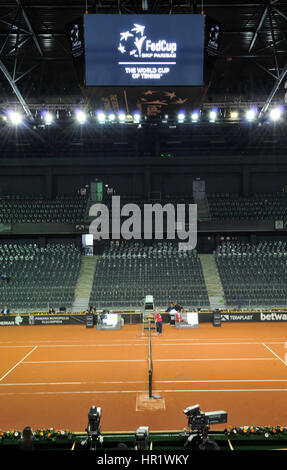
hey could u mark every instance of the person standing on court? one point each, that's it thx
(158, 322)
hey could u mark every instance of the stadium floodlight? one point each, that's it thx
(136, 117)
(122, 117)
(111, 117)
(181, 117)
(212, 115)
(275, 114)
(251, 114)
(48, 118)
(101, 117)
(195, 116)
(234, 114)
(80, 116)
(14, 117)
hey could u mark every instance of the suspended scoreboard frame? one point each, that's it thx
(111, 50)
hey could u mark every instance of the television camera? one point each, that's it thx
(142, 438)
(95, 439)
(199, 424)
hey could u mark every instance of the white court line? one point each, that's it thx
(32, 384)
(213, 344)
(220, 381)
(226, 390)
(114, 392)
(52, 345)
(154, 360)
(86, 360)
(217, 359)
(278, 357)
(245, 340)
(77, 345)
(98, 345)
(16, 365)
(14, 347)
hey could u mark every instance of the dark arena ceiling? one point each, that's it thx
(35, 55)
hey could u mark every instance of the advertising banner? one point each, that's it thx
(75, 36)
(25, 319)
(17, 320)
(254, 317)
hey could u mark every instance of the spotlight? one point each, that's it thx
(15, 118)
(212, 115)
(81, 116)
(275, 114)
(234, 115)
(101, 117)
(181, 117)
(250, 114)
(48, 118)
(111, 117)
(122, 117)
(137, 117)
(195, 116)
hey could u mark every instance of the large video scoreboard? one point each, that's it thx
(144, 50)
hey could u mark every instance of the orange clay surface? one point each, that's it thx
(50, 376)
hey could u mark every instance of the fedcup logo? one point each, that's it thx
(143, 58)
(138, 40)
(135, 43)
(180, 222)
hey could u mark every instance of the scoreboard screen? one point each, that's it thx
(144, 50)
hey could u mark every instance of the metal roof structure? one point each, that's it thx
(36, 64)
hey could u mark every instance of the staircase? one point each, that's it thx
(202, 210)
(85, 283)
(212, 281)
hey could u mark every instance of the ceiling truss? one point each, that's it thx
(265, 30)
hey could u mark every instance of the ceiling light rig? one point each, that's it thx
(81, 116)
(15, 118)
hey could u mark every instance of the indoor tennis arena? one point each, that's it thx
(143, 226)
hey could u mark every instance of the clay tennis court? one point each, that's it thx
(51, 375)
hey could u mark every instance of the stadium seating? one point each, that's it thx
(22, 209)
(125, 273)
(269, 206)
(40, 276)
(140, 202)
(256, 271)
